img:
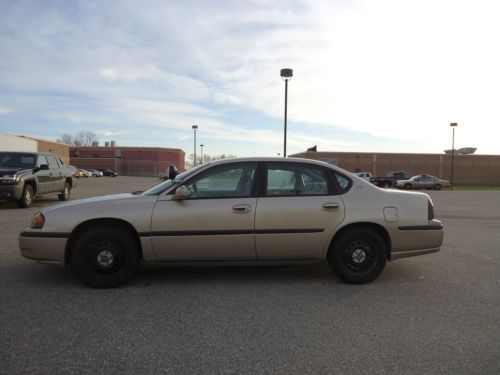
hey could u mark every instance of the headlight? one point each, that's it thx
(37, 221)
(9, 179)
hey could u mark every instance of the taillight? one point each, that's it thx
(430, 210)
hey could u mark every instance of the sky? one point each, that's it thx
(369, 76)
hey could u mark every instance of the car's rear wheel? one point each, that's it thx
(64, 196)
(27, 197)
(105, 257)
(437, 187)
(387, 185)
(358, 256)
(407, 186)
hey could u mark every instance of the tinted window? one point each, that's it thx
(16, 160)
(41, 160)
(295, 179)
(52, 162)
(223, 182)
(344, 183)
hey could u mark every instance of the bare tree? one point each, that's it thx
(82, 138)
(66, 139)
(86, 137)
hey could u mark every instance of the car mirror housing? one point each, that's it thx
(171, 172)
(43, 167)
(181, 193)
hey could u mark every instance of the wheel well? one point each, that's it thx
(70, 180)
(379, 229)
(86, 225)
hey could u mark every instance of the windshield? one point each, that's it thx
(160, 188)
(16, 160)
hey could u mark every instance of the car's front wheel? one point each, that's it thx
(64, 196)
(27, 197)
(407, 186)
(358, 256)
(437, 187)
(105, 257)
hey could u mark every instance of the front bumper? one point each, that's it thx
(408, 241)
(11, 192)
(43, 246)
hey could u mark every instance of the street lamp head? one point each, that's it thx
(202, 145)
(286, 74)
(454, 124)
(195, 127)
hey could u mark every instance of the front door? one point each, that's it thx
(215, 222)
(44, 180)
(297, 213)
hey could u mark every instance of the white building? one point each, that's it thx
(9, 142)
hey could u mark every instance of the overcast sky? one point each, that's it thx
(386, 76)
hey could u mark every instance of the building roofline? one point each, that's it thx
(126, 148)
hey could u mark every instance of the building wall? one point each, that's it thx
(60, 149)
(9, 142)
(94, 163)
(480, 169)
(135, 161)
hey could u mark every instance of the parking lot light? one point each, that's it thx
(453, 126)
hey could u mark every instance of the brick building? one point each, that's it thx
(129, 161)
(471, 168)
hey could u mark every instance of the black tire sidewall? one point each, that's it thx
(437, 187)
(87, 274)
(336, 261)
(408, 186)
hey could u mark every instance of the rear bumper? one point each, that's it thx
(11, 192)
(408, 241)
(42, 247)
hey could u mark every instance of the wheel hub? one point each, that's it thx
(105, 258)
(358, 256)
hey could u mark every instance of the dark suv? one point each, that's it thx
(25, 175)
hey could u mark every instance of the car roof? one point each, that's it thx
(272, 159)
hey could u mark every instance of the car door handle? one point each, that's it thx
(242, 208)
(331, 205)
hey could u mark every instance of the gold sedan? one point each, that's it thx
(252, 210)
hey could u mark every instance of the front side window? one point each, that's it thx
(295, 179)
(52, 162)
(228, 181)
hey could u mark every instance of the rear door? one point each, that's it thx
(297, 212)
(55, 174)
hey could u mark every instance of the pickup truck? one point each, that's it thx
(391, 178)
(26, 175)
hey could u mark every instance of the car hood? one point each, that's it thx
(11, 170)
(86, 201)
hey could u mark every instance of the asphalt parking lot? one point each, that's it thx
(435, 314)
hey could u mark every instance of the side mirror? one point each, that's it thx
(181, 193)
(171, 172)
(44, 167)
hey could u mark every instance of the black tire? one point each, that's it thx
(407, 186)
(27, 198)
(387, 185)
(64, 196)
(358, 256)
(437, 187)
(105, 257)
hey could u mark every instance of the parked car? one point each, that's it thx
(26, 175)
(84, 173)
(253, 210)
(108, 172)
(423, 181)
(364, 175)
(95, 173)
(390, 179)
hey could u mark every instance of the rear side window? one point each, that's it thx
(295, 179)
(344, 183)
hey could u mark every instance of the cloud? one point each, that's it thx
(5, 110)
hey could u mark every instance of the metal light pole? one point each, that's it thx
(453, 126)
(286, 75)
(201, 147)
(195, 127)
